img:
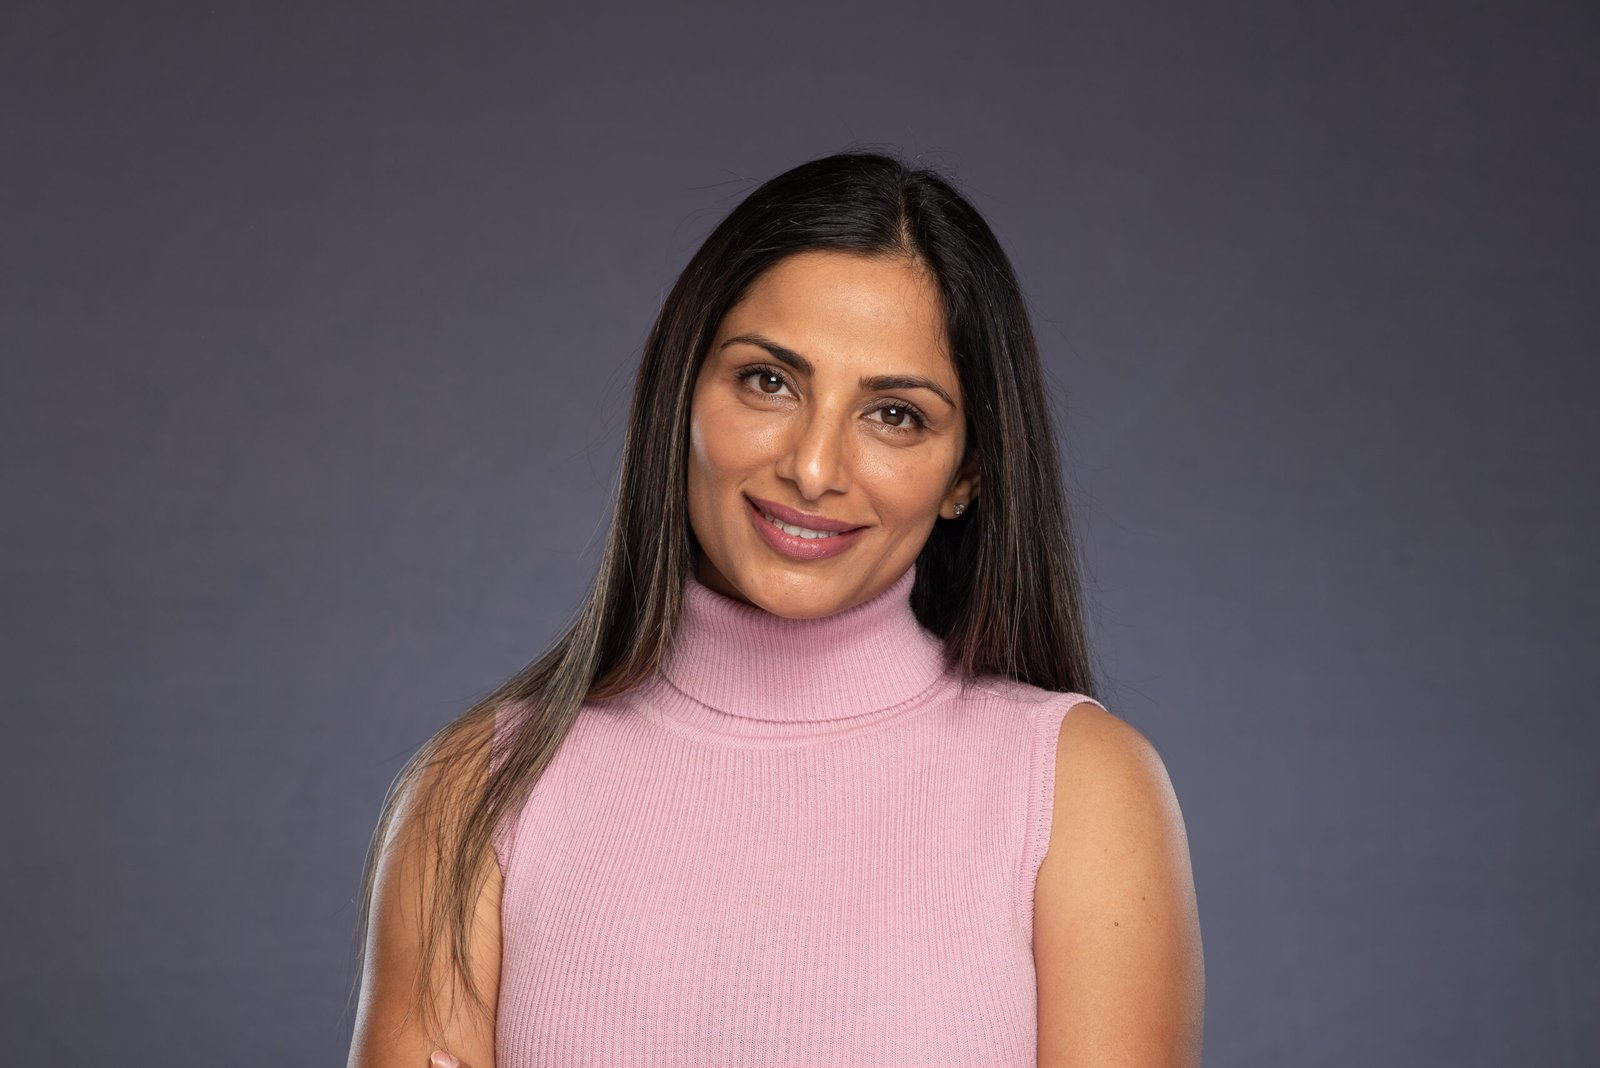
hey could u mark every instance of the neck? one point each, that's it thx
(757, 667)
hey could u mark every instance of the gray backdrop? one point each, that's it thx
(318, 331)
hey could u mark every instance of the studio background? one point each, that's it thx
(319, 325)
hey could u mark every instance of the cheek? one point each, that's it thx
(906, 483)
(725, 442)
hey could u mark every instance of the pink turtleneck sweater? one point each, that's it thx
(802, 842)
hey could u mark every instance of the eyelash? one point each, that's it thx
(910, 409)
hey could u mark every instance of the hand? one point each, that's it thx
(441, 1059)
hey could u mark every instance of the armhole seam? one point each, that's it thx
(1050, 718)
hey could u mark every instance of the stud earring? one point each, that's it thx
(960, 508)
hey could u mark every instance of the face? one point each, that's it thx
(828, 391)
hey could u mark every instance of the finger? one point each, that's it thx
(441, 1059)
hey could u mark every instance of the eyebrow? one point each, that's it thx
(803, 365)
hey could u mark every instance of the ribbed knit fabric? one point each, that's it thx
(802, 842)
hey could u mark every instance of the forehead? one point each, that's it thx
(845, 305)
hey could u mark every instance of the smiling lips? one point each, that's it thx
(799, 535)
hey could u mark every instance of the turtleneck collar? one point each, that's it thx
(754, 665)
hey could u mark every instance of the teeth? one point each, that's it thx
(799, 532)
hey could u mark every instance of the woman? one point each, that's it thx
(813, 778)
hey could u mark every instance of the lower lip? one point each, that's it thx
(802, 548)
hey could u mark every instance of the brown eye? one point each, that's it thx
(768, 376)
(906, 419)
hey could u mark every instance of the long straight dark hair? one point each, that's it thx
(1000, 585)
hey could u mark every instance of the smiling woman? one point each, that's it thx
(815, 776)
(826, 442)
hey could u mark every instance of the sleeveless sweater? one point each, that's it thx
(799, 842)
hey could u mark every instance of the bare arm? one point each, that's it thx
(388, 1032)
(1121, 974)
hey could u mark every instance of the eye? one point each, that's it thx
(766, 377)
(910, 419)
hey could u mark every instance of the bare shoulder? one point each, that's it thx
(1100, 752)
(1116, 925)
(389, 1029)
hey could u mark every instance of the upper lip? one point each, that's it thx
(802, 519)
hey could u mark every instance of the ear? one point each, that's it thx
(963, 490)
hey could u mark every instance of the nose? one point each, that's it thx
(817, 456)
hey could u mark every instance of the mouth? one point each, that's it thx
(799, 524)
(799, 542)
